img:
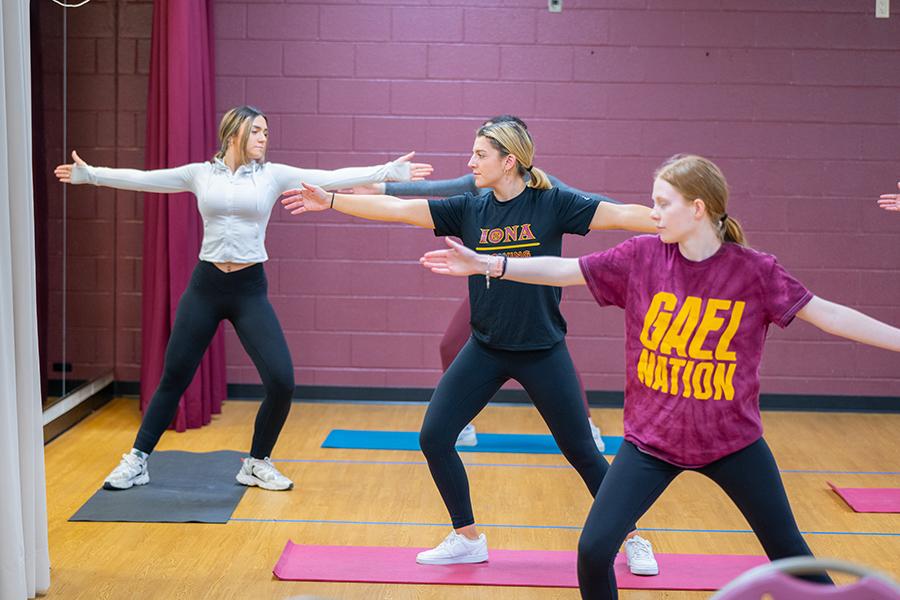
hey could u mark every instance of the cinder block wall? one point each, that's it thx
(796, 100)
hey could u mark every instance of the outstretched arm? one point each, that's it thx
(845, 322)
(287, 177)
(890, 202)
(375, 208)
(160, 181)
(559, 183)
(631, 217)
(541, 270)
(442, 188)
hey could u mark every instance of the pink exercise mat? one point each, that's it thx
(870, 500)
(526, 568)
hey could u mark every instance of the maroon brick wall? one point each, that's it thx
(797, 101)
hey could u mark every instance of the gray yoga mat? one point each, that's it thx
(185, 487)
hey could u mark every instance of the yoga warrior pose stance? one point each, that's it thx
(235, 194)
(698, 303)
(517, 331)
(458, 330)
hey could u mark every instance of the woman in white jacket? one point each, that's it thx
(235, 193)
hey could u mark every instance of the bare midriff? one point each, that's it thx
(231, 267)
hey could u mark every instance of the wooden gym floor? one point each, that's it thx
(356, 497)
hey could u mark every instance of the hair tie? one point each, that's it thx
(529, 168)
(724, 217)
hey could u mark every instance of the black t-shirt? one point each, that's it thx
(511, 315)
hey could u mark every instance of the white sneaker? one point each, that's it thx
(467, 436)
(132, 470)
(262, 473)
(598, 439)
(455, 549)
(639, 553)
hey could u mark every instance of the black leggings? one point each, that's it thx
(210, 297)
(548, 377)
(634, 482)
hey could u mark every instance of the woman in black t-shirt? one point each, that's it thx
(518, 331)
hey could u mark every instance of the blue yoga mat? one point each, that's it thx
(513, 443)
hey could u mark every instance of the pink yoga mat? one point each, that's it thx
(870, 500)
(526, 568)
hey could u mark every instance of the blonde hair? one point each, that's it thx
(231, 125)
(697, 177)
(509, 137)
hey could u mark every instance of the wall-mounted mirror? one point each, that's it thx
(75, 225)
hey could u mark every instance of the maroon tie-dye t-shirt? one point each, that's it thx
(694, 335)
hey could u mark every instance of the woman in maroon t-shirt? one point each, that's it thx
(698, 304)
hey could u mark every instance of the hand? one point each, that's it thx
(417, 171)
(457, 260)
(64, 172)
(372, 189)
(306, 198)
(890, 201)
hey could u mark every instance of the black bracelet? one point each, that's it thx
(332, 200)
(503, 270)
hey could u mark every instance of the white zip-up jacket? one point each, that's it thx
(235, 206)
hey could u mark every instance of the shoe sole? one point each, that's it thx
(251, 481)
(645, 572)
(139, 480)
(452, 561)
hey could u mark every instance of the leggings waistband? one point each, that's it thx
(248, 279)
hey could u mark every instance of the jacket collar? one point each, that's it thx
(252, 167)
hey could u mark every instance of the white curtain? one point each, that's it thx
(24, 556)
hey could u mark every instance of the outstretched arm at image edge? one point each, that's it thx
(846, 322)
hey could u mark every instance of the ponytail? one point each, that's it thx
(539, 179)
(732, 231)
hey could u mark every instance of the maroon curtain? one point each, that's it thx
(180, 129)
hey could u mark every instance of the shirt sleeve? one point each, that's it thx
(441, 188)
(785, 296)
(574, 212)
(287, 177)
(562, 185)
(607, 272)
(448, 215)
(160, 181)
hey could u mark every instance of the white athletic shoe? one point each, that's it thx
(132, 470)
(598, 439)
(639, 553)
(467, 436)
(454, 550)
(262, 473)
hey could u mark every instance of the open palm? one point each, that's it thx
(456, 260)
(890, 202)
(64, 172)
